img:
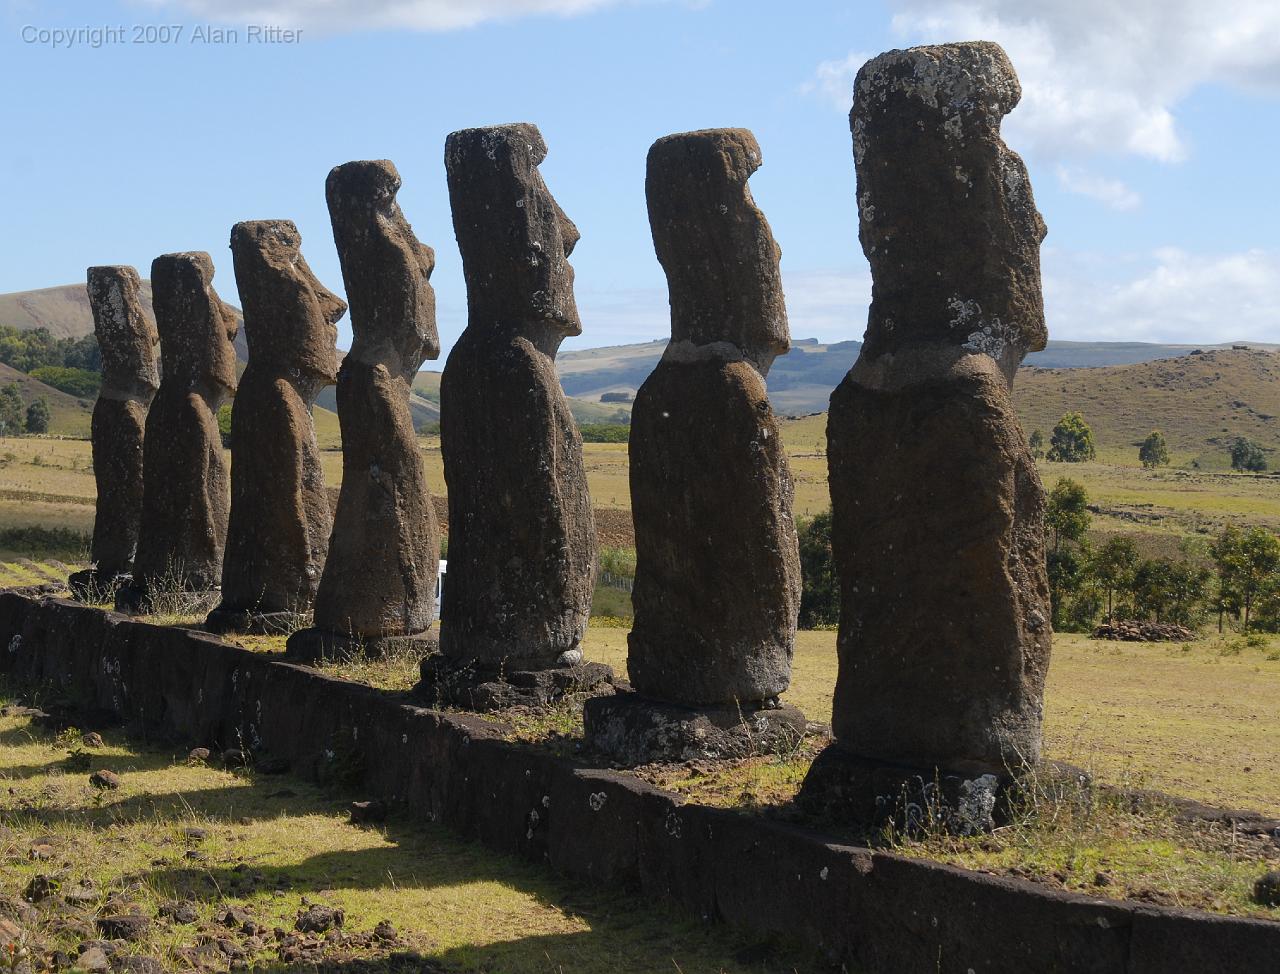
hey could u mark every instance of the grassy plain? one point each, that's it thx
(1197, 720)
(178, 831)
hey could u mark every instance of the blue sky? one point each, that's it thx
(1151, 133)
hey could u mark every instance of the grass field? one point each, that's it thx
(181, 833)
(1197, 720)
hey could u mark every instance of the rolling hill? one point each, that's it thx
(1202, 398)
(68, 416)
(64, 310)
(1201, 402)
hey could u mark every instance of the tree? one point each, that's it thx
(1112, 567)
(12, 410)
(1072, 440)
(1258, 568)
(820, 591)
(38, 416)
(1226, 553)
(1067, 513)
(1247, 456)
(1153, 452)
(1036, 443)
(224, 423)
(1067, 575)
(1169, 591)
(75, 382)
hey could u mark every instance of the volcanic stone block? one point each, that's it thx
(717, 586)
(937, 507)
(378, 585)
(127, 338)
(186, 492)
(279, 528)
(521, 531)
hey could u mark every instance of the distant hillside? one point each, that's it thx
(801, 381)
(1200, 402)
(426, 388)
(65, 311)
(68, 416)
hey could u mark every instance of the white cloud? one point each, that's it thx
(1103, 76)
(1112, 192)
(830, 306)
(1171, 295)
(425, 15)
(833, 80)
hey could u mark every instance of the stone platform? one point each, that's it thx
(870, 910)
(316, 645)
(444, 683)
(634, 730)
(225, 621)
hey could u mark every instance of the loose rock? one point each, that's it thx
(105, 779)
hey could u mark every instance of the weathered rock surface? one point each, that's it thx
(937, 507)
(947, 218)
(634, 730)
(127, 338)
(717, 569)
(280, 521)
(186, 490)
(380, 576)
(522, 538)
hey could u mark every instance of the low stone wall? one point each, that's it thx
(873, 911)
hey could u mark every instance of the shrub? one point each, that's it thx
(1247, 456)
(38, 416)
(820, 592)
(75, 382)
(605, 433)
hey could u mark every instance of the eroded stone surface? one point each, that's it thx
(280, 521)
(380, 575)
(938, 509)
(127, 338)
(522, 537)
(186, 489)
(947, 218)
(717, 569)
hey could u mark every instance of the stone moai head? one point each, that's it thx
(515, 240)
(385, 268)
(715, 245)
(946, 214)
(196, 326)
(126, 334)
(292, 318)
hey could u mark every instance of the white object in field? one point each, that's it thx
(440, 574)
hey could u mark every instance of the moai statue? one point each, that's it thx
(521, 532)
(378, 587)
(127, 338)
(280, 522)
(185, 482)
(938, 510)
(717, 588)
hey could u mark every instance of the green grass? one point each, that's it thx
(272, 845)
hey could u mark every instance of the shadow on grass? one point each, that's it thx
(622, 932)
